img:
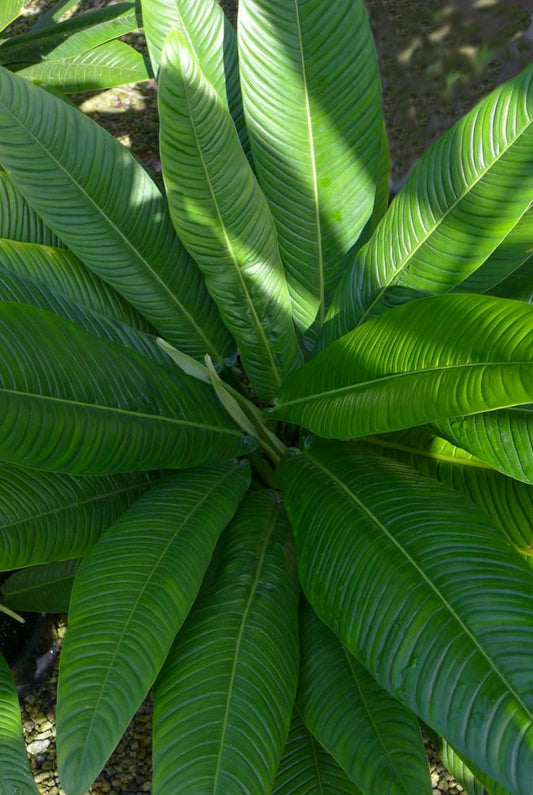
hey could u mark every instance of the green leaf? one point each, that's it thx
(517, 282)
(128, 602)
(74, 36)
(9, 10)
(14, 768)
(307, 769)
(373, 737)
(311, 93)
(212, 39)
(524, 294)
(510, 256)
(439, 357)
(468, 775)
(111, 64)
(459, 203)
(503, 439)
(223, 218)
(17, 220)
(62, 272)
(432, 599)
(76, 403)
(19, 289)
(382, 195)
(508, 502)
(46, 516)
(53, 14)
(44, 588)
(127, 237)
(223, 702)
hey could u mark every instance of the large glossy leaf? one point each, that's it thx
(439, 357)
(17, 220)
(374, 738)
(46, 516)
(508, 502)
(74, 36)
(223, 702)
(425, 592)
(21, 289)
(62, 272)
(223, 218)
(510, 256)
(44, 588)
(503, 439)
(111, 64)
(15, 775)
(459, 203)
(77, 403)
(113, 217)
(307, 769)
(311, 94)
(130, 597)
(213, 41)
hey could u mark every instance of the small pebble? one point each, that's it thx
(37, 747)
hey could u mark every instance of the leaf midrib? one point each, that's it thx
(404, 263)
(352, 498)
(314, 174)
(398, 772)
(229, 247)
(58, 509)
(339, 391)
(126, 412)
(473, 462)
(203, 498)
(243, 623)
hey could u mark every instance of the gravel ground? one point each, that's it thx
(128, 771)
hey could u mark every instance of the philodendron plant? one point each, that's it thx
(268, 440)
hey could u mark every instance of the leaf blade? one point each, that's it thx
(124, 594)
(224, 223)
(307, 769)
(44, 588)
(228, 685)
(374, 738)
(461, 200)
(13, 760)
(128, 238)
(77, 403)
(111, 64)
(50, 516)
(377, 577)
(416, 364)
(311, 133)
